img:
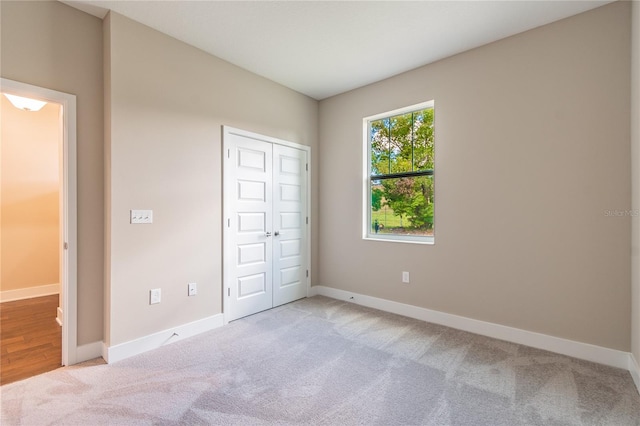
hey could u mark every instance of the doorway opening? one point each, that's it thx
(38, 266)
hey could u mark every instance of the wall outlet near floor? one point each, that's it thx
(405, 277)
(193, 289)
(155, 295)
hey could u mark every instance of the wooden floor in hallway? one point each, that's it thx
(30, 338)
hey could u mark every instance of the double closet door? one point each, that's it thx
(265, 223)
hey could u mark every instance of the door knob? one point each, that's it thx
(276, 233)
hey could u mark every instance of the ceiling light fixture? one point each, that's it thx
(26, 104)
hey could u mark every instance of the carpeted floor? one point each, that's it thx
(325, 362)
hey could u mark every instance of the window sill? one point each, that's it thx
(401, 239)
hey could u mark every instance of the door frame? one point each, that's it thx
(226, 214)
(69, 219)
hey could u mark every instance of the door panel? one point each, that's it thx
(252, 253)
(252, 285)
(250, 248)
(290, 230)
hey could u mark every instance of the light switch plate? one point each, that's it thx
(141, 216)
(155, 296)
(193, 289)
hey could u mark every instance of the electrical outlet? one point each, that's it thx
(193, 289)
(155, 296)
(405, 277)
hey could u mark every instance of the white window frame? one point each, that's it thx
(367, 234)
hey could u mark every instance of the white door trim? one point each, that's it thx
(69, 208)
(226, 214)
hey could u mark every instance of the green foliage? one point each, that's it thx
(404, 144)
(411, 198)
(376, 199)
(398, 194)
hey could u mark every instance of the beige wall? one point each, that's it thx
(168, 102)
(635, 184)
(532, 146)
(30, 191)
(52, 45)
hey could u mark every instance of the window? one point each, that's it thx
(399, 184)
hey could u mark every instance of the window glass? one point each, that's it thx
(402, 206)
(401, 175)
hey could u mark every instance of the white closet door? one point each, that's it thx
(289, 227)
(266, 229)
(249, 275)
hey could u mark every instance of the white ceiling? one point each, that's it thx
(322, 48)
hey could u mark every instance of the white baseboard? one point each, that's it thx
(558, 345)
(634, 369)
(89, 351)
(29, 292)
(153, 341)
(59, 316)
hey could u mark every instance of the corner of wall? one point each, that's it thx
(635, 182)
(106, 63)
(635, 193)
(89, 351)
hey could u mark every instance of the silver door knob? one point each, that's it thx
(268, 234)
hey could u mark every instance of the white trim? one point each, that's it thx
(89, 351)
(558, 345)
(308, 149)
(228, 130)
(263, 138)
(29, 292)
(69, 207)
(634, 369)
(400, 111)
(153, 341)
(396, 238)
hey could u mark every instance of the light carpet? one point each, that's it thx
(322, 361)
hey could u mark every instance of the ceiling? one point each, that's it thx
(322, 48)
